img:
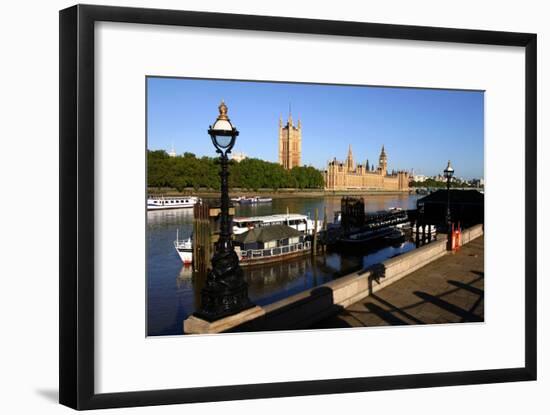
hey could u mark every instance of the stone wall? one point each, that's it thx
(471, 233)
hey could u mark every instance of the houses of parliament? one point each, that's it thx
(340, 175)
(349, 176)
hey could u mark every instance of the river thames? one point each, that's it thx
(173, 290)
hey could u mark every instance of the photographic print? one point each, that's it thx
(288, 206)
(338, 203)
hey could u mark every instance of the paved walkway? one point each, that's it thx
(449, 290)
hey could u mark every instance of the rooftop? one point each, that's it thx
(267, 234)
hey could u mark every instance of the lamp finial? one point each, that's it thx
(223, 111)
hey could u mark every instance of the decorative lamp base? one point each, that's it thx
(221, 299)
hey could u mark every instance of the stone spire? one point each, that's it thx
(383, 162)
(349, 160)
(289, 114)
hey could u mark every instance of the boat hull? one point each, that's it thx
(268, 260)
(149, 207)
(163, 203)
(186, 257)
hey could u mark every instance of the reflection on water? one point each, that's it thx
(172, 290)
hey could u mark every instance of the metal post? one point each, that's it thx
(314, 250)
(225, 292)
(225, 230)
(195, 238)
(448, 214)
(325, 229)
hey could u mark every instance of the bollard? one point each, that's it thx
(423, 233)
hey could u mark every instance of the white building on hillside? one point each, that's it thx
(238, 156)
(172, 152)
(420, 178)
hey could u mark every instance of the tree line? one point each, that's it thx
(188, 171)
(430, 182)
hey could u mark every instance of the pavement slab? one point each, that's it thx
(448, 290)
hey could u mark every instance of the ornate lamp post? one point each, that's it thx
(448, 174)
(225, 292)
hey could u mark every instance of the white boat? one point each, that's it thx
(263, 199)
(252, 200)
(184, 248)
(157, 203)
(301, 223)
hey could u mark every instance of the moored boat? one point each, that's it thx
(367, 237)
(252, 200)
(161, 202)
(301, 223)
(184, 248)
(266, 244)
(262, 239)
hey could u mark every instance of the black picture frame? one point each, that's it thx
(76, 280)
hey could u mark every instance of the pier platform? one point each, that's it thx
(447, 290)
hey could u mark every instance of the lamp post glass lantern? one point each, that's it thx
(225, 292)
(448, 174)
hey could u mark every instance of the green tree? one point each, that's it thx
(186, 171)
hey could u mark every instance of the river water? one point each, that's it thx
(173, 290)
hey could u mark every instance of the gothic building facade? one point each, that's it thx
(290, 143)
(349, 176)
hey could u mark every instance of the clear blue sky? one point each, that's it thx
(420, 128)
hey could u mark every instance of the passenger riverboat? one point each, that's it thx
(262, 239)
(161, 202)
(299, 222)
(272, 243)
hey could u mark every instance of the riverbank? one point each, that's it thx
(426, 269)
(280, 194)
